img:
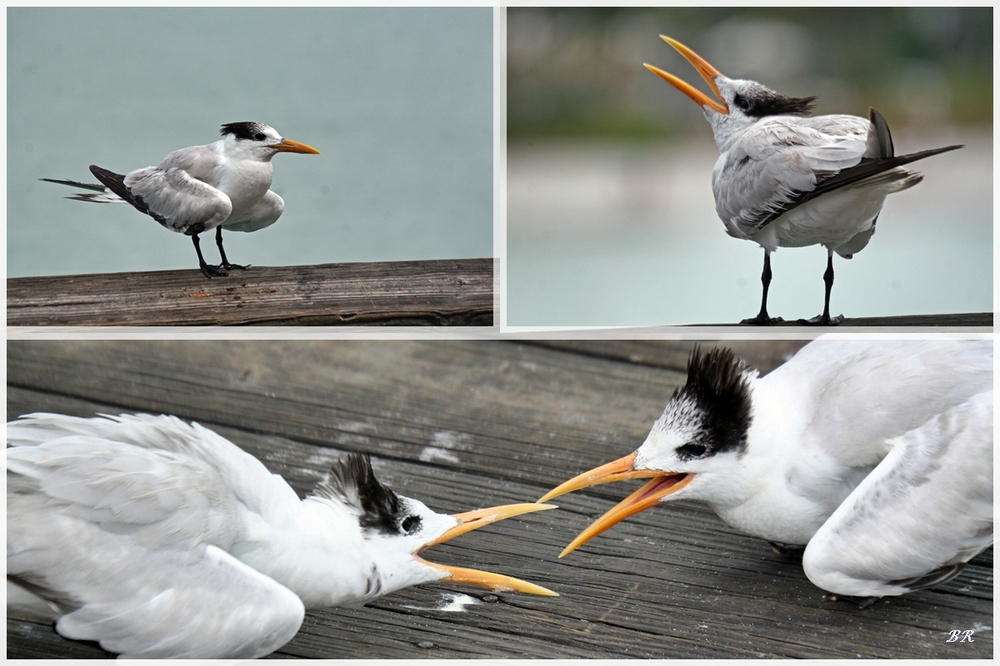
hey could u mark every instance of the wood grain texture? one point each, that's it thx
(465, 424)
(456, 292)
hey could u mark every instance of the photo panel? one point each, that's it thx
(464, 425)
(626, 208)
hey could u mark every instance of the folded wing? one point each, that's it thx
(919, 516)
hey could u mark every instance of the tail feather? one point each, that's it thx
(96, 194)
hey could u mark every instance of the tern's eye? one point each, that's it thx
(741, 102)
(259, 137)
(410, 524)
(689, 451)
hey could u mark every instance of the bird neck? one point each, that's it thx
(786, 490)
(320, 554)
(726, 130)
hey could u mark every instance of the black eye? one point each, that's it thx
(741, 102)
(259, 137)
(689, 451)
(410, 524)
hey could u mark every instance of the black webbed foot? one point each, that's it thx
(788, 550)
(822, 320)
(762, 320)
(211, 271)
(862, 602)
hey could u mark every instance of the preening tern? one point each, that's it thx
(160, 538)
(786, 179)
(221, 185)
(877, 454)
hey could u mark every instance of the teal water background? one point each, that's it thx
(399, 101)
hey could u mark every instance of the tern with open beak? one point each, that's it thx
(788, 179)
(877, 456)
(159, 538)
(222, 185)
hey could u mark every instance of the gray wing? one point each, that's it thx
(170, 604)
(121, 523)
(148, 466)
(775, 161)
(178, 201)
(919, 516)
(863, 393)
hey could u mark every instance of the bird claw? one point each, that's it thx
(210, 271)
(787, 550)
(228, 266)
(862, 602)
(762, 320)
(822, 320)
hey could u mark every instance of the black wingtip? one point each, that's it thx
(882, 134)
(113, 181)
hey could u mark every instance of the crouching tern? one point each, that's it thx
(223, 185)
(877, 456)
(787, 179)
(159, 538)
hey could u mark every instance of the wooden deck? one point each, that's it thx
(452, 292)
(465, 424)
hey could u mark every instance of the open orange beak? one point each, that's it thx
(289, 146)
(473, 520)
(704, 68)
(649, 495)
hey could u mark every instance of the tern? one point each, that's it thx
(221, 185)
(877, 456)
(159, 538)
(788, 179)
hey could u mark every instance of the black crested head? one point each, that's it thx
(758, 102)
(719, 390)
(352, 481)
(246, 130)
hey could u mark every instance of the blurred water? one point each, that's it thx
(398, 100)
(627, 235)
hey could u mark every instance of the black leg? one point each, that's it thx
(762, 319)
(825, 319)
(222, 252)
(209, 270)
(788, 550)
(862, 602)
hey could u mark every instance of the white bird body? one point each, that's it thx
(762, 170)
(225, 184)
(823, 421)
(787, 179)
(160, 538)
(865, 451)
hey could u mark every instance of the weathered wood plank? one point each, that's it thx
(461, 424)
(675, 356)
(457, 292)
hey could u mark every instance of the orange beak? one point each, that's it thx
(473, 520)
(707, 72)
(648, 495)
(289, 146)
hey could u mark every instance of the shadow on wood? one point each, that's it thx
(955, 320)
(453, 292)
